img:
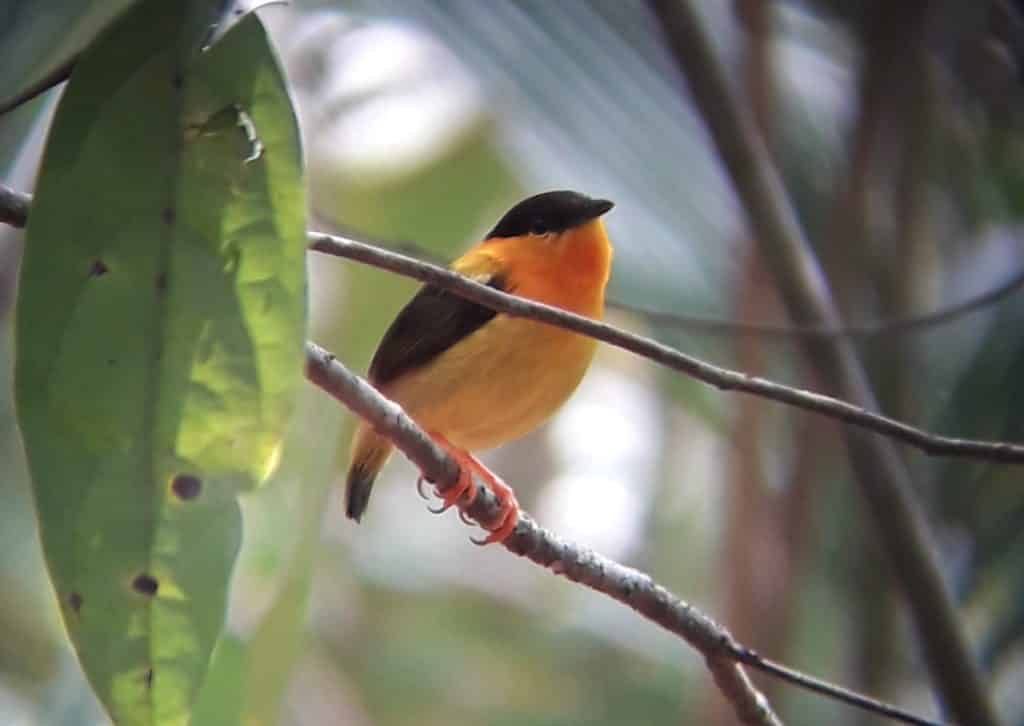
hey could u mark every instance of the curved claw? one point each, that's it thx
(503, 530)
(465, 518)
(464, 493)
(465, 487)
(420, 481)
(504, 523)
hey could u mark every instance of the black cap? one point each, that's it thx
(549, 212)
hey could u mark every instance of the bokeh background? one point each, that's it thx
(897, 127)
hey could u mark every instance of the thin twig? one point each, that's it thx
(580, 564)
(880, 471)
(722, 378)
(830, 690)
(909, 324)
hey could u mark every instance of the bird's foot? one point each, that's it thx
(504, 523)
(465, 487)
(464, 492)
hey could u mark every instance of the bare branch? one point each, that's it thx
(579, 564)
(663, 354)
(883, 476)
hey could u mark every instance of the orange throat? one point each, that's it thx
(582, 261)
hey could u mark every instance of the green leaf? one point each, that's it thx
(160, 328)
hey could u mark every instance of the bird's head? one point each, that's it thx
(548, 215)
(555, 239)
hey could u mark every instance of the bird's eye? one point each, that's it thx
(538, 228)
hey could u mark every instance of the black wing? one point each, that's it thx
(431, 323)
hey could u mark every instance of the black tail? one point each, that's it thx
(357, 490)
(369, 452)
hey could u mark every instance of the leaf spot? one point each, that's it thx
(186, 486)
(145, 584)
(75, 601)
(148, 677)
(98, 269)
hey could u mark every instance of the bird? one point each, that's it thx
(474, 379)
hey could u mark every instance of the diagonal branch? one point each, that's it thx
(13, 211)
(880, 471)
(571, 561)
(665, 355)
(632, 588)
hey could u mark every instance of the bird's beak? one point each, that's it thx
(599, 207)
(595, 208)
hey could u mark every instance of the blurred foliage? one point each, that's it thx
(546, 676)
(35, 44)
(897, 129)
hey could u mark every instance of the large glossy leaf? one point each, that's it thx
(160, 326)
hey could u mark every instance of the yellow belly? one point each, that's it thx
(499, 384)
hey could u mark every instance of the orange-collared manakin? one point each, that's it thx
(475, 379)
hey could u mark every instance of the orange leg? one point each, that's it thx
(464, 492)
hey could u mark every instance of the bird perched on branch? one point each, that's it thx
(474, 379)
